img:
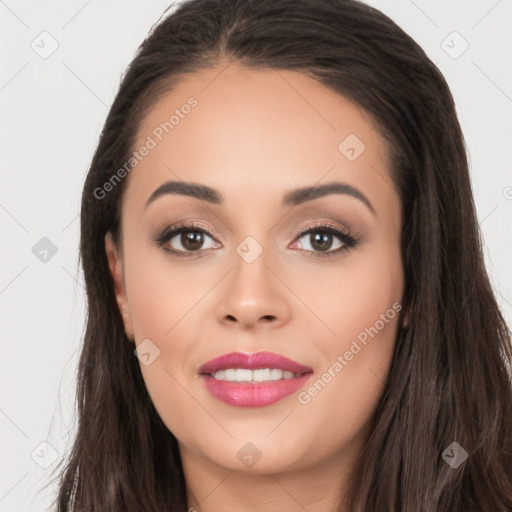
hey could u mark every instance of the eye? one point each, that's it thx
(191, 238)
(320, 238)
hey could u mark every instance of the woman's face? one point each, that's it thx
(253, 281)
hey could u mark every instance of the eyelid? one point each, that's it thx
(322, 224)
(167, 227)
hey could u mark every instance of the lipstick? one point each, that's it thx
(253, 380)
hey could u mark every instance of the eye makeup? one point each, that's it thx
(327, 231)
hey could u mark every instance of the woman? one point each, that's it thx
(288, 305)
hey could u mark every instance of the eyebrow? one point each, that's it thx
(291, 198)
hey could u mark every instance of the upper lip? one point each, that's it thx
(253, 361)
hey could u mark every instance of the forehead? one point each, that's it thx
(255, 133)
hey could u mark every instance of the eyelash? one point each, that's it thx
(349, 241)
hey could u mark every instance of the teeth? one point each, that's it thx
(245, 375)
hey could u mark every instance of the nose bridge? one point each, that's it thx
(253, 292)
(251, 274)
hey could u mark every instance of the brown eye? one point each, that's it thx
(184, 239)
(192, 240)
(320, 239)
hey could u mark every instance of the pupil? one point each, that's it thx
(191, 240)
(322, 241)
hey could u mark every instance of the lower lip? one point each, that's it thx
(247, 394)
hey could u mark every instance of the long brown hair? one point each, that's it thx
(450, 376)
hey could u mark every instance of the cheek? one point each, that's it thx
(362, 307)
(351, 295)
(162, 291)
(164, 299)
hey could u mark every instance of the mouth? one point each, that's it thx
(253, 376)
(253, 380)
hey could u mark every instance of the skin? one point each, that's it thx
(254, 135)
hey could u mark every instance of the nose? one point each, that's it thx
(253, 296)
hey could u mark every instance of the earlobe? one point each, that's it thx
(116, 270)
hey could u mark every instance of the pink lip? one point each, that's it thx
(254, 361)
(247, 394)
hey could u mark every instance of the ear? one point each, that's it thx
(115, 264)
(406, 318)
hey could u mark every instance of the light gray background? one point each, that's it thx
(52, 113)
